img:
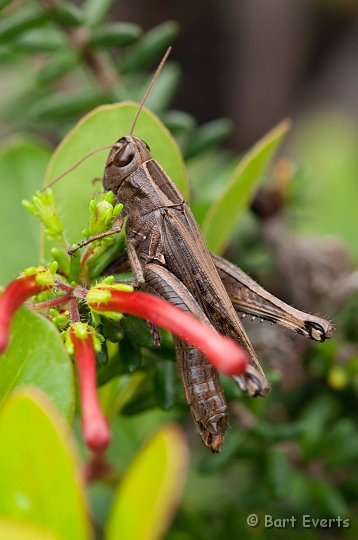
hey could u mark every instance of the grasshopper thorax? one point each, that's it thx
(125, 157)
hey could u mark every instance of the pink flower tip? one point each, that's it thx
(16, 292)
(96, 434)
(231, 359)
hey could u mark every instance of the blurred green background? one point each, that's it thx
(237, 69)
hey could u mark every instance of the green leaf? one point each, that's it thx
(278, 473)
(208, 136)
(143, 400)
(26, 17)
(104, 126)
(326, 146)
(59, 64)
(39, 480)
(179, 122)
(68, 14)
(37, 356)
(116, 34)
(22, 166)
(118, 391)
(149, 47)
(96, 11)
(138, 331)
(150, 491)
(221, 219)
(63, 105)
(328, 498)
(165, 378)
(41, 40)
(341, 443)
(12, 530)
(315, 418)
(208, 173)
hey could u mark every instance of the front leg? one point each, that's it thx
(116, 228)
(248, 297)
(144, 245)
(134, 262)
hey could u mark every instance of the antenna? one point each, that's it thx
(140, 107)
(154, 78)
(76, 165)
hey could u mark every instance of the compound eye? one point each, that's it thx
(123, 157)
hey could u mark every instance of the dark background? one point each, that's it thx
(257, 61)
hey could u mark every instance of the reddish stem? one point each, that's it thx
(51, 303)
(74, 313)
(94, 425)
(14, 295)
(223, 353)
(63, 286)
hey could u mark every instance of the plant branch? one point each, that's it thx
(104, 73)
(51, 303)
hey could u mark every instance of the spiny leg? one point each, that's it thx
(248, 297)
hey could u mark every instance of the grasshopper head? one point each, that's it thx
(126, 155)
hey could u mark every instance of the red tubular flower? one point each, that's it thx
(222, 352)
(14, 295)
(95, 429)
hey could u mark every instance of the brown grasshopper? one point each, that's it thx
(168, 257)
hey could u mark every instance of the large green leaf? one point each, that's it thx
(22, 166)
(39, 481)
(37, 356)
(150, 491)
(12, 530)
(221, 219)
(104, 126)
(325, 144)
